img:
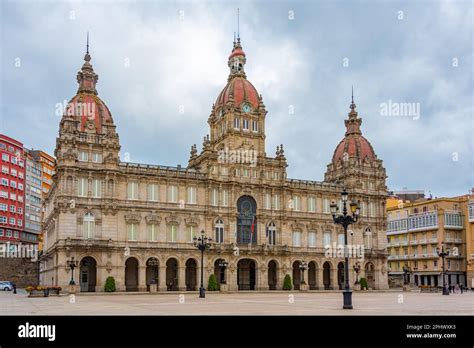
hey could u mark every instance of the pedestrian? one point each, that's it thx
(14, 287)
(462, 289)
(456, 289)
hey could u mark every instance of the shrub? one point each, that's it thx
(110, 284)
(212, 285)
(363, 284)
(287, 283)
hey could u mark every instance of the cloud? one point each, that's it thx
(161, 66)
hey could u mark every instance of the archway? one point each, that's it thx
(219, 273)
(272, 275)
(152, 267)
(88, 274)
(340, 275)
(296, 275)
(370, 275)
(246, 274)
(313, 275)
(131, 274)
(191, 275)
(327, 276)
(247, 220)
(172, 275)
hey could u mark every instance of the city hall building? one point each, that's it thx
(136, 222)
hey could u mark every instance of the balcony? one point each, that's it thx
(423, 241)
(454, 240)
(413, 242)
(423, 221)
(453, 220)
(471, 211)
(404, 242)
(397, 226)
(433, 240)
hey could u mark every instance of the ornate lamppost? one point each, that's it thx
(406, 271)
(72, 263)
(222, 266)
(202, 243)
(302, 267)
(345, 220)
(443, 253)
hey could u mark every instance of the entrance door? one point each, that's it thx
(327, 276)
(88, 274)
(190, 275)
(272, 275)
(84, 280)
(312, 276)
(246, 274)
(247, 220)
(296, 275)
(340, 275)
(131, 274)
(370, 275)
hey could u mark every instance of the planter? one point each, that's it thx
(54, 292)
(304, 287)
(223, 287)
(357, 287)
(38, 293)
(153, 288)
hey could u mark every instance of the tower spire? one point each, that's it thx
(352, 106)
(238, 24)
(87, 50)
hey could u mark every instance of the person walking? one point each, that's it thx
(14, 287)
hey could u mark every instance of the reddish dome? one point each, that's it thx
(354, 145)
(241, 90)
(90, 110)
(237, 52)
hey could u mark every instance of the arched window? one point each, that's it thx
(219, 231)
(368, 238)
(271, 233)
(89, 225)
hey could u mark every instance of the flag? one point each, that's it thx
(252, 228)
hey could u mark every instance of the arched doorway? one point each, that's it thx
(340, 275)
(219, 273)
(370, 275)
(152, 266)
(131, 274)
(172, 275)
(296, 275)
(327, 276)
(312, 276)
(272, 275)
(191, 275)
(247, 220)
(246, 275)
(88, 274)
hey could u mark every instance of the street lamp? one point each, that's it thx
(222, 266)
(72, 264)
(443, 253)
(406, 271)
(345, 220)
(202, 243)
(302, 267)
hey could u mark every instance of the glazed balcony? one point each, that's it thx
(453, 220)
(423, 221)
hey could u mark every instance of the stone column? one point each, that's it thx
(162, 278)
(142, 278)
(334, 280)
(262, 278)
(182, 278)
(232, 277)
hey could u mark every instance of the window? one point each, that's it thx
(3, 219)
(12, 209)
(191, 233)
(312, 239)
(245, 172)
(5, 157)
(276, 202)
(219, 229)
(153, 232)
(83, 156)
(297, 239)
(9, 234)
(172, 194)
(340, 239)
(13, 196)
(1, 233)
(19, 222)
(214, 197)
(271, 233)
(236, 123)
(152, 193)
(132, 232)
(311, 204)
(20, 198)
(326, 206)
(327, 239)
(12, 221)
(16, 234)
(255, 126)
(3, 207)
(225, 198)
(4, 182)
(268, 201)
(132, 190)
(96, 188)
(82, 187)
(296, 203)
(192, 195)
(12, 184)
(20, 187)
(5, 170)
(172, 232)
(245, 124)
(368, 238)
(89, 225)
(4, 194)
(96, 157)
(371, 209)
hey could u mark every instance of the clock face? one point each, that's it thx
(246, 108)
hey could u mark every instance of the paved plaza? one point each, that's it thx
(242, 303)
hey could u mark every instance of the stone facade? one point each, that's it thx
(136, 222)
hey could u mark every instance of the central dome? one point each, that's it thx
(241, 90)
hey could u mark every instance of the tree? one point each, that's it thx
(363, 284)
(110, 285)
(287, 285)
(212, 285)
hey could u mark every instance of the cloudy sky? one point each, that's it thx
(157, 57)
